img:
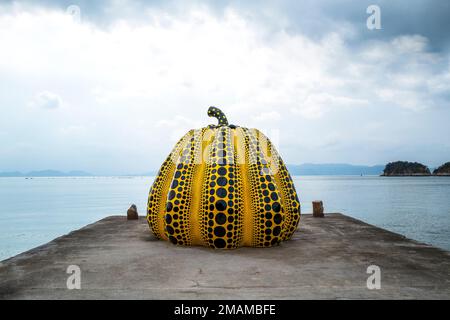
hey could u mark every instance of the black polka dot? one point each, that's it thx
(221, 153)
(169, 206)
(276, 207)
(219, 231)
(277, 218)
(222, 181)
(221, 218)
(171, 195)
(221, 205)
(274, 196)
(173, 239)
(168, 218)
(220, 243)
(221, 192)
(169, 229)
(276, 230)
(222, 171)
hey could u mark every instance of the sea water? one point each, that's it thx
(34, 211)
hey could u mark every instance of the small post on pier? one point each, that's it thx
(132, 213)
(317, 209)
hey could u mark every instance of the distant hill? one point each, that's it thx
(331, 169)
(405, 168)
(46, 173)
(334, 169)
(443, 170)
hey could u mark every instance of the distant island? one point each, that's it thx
(406, 168)
(443, 170)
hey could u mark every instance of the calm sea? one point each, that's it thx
(35, 211)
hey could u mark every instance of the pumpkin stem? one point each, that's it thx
(217, 113)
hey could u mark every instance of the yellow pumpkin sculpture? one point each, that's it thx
(223, 186)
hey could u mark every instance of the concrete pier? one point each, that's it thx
(327, 259)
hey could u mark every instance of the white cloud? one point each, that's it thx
(144, 84)
(410, 43)
(268, 116)
(408, 99)
(316, 104)
(46, 100)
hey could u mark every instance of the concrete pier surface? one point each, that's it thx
(327, 259)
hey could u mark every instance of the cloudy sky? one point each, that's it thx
(109, 89)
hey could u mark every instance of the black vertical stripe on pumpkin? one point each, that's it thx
(157, 195)
(221, 195)
(285, 183)
(180, 194)
(267, 211)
